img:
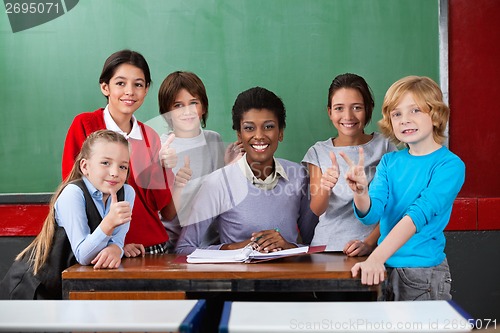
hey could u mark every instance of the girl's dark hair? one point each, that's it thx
(258, 98)
(353, 81)
(124, 57)
(177, 81)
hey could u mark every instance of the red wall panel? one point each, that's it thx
(463, 215)
(474, 73)
(22, 220)
(487, 213)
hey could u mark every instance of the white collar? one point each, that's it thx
(135, 133)
(270, 182)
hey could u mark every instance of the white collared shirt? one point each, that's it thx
(135, 133)
(267, 184)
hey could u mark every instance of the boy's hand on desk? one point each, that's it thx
(133, 250)
(109, 257)
(270, 241)
(372, 272)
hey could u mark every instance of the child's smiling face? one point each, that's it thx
(412, 125)
(347, 112)
(107, 166)
(126, 89)
(185, 114)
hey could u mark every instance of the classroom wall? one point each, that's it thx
(293, 47)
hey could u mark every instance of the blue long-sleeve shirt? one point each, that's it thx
(70, 214)
(422, 187)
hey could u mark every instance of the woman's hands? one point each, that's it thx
(270, 241)
(263, 241)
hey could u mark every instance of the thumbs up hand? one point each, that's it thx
(181, 179)
(331, 175)
(184, 174)
(119, 213)
(168, 156)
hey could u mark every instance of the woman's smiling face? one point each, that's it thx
(260, 134)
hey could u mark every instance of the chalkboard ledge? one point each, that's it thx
(25, 198)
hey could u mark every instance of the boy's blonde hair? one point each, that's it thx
(39, 249)
(429, 99)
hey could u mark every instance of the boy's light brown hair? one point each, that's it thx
(429, 99)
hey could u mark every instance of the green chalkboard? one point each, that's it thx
(49, 73)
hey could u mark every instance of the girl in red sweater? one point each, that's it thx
(125, 81)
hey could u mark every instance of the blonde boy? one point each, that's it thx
(412, 195)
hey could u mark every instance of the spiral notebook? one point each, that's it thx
(245, 255)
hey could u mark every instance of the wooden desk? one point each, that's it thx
(167, 276)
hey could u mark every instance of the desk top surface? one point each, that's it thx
(170, 266)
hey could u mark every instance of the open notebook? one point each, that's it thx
(246, 254)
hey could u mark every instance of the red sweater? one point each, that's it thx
(147, 177)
